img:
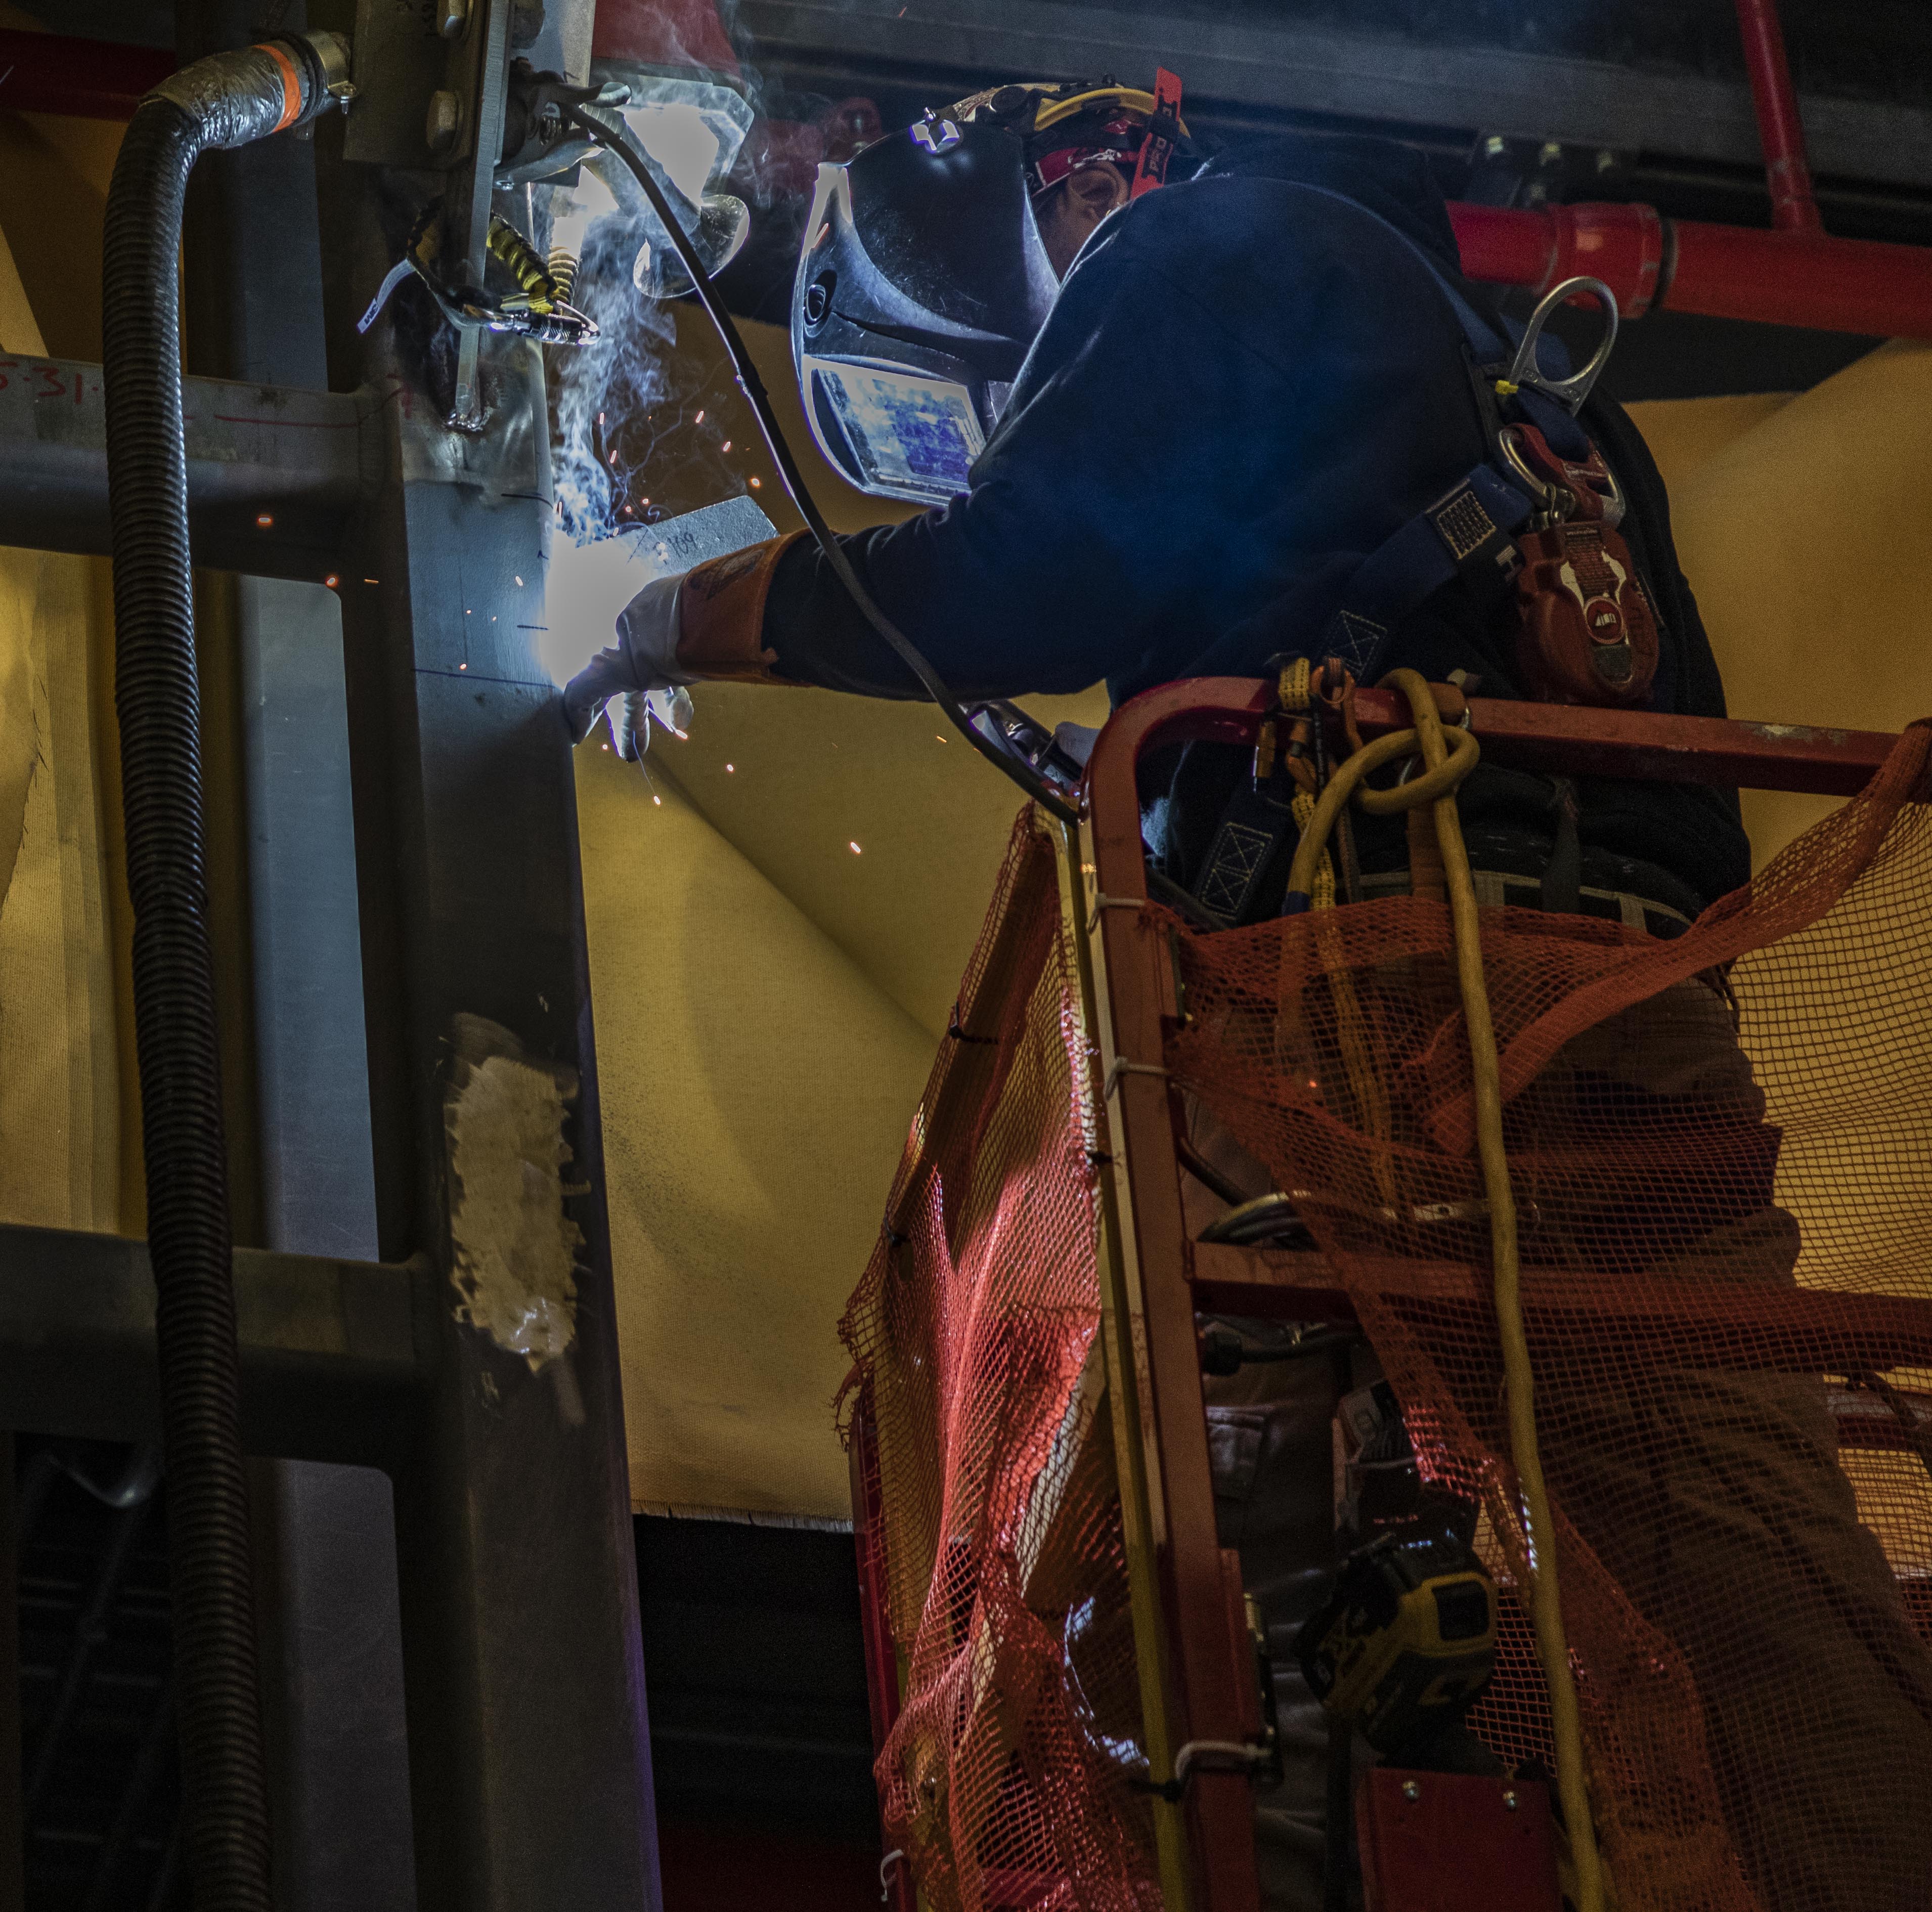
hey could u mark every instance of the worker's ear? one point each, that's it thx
(1094, 191)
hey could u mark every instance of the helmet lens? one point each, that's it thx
(897, 434)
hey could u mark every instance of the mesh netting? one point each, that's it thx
(1719, 1148)
(975, 1331)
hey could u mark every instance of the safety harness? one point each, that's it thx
(1540, 512)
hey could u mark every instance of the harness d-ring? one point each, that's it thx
(1568, 392)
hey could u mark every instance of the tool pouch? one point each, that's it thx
(1588, 634)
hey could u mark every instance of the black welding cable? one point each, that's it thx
(607, 126)
(227, 100)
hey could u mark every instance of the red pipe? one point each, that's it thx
(1622, 245)
(86, 78)
(665, 33)
(1803, 279)
(1788, 278)
(1779, 128)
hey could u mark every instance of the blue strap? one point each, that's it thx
(1564, 436)
(1470, 526)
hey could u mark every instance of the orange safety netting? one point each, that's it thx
(976, 1333)
(1714, 1254)
(1705, 1241)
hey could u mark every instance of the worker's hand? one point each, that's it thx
(643, 659)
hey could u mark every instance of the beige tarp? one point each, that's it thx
(768, 1001)
(1802, 533)
(60, 1121)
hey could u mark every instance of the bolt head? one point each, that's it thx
(1411, 1790)
(451, 17)
(444, 121)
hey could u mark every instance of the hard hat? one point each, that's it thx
(922, 281)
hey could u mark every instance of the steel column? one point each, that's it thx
(529, 1756)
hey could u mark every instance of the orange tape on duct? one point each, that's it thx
(292, 89)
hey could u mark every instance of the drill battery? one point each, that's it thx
(1406, 1641)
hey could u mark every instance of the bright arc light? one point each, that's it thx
(589, 585)
(574, 211)
(856, 851)
(677, 135)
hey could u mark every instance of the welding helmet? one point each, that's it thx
(922, 281)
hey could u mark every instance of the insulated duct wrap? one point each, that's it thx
(226, 100)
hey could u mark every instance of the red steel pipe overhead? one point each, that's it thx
(1795, 274)
(1780, 278)
(1779, 128)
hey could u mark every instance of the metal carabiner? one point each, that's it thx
(1571, 391)
(1553, 501)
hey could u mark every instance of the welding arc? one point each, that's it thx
(610, 130)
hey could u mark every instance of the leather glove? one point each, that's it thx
(644, 659)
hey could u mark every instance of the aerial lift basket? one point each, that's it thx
(1718, 1266)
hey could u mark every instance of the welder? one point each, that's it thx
(1180, 429)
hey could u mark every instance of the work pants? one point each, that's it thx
(1714, 1499)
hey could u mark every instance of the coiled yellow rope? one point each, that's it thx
(1448, 757)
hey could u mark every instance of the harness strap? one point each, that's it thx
(1469, 532)
(1469, 529)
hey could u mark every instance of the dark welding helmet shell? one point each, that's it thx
(921, 255)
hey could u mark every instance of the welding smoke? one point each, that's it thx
(606, 395)
(601, 388)
(690, 130)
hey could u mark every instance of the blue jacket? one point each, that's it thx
(1244, 387)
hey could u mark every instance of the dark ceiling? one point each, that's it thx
(1878, 49)
(1655, 87)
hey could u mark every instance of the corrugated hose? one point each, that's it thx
(227, 100)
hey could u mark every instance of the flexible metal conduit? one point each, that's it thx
(227, 100)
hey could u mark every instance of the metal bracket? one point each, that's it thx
(1122, 1067)
(1105, 902)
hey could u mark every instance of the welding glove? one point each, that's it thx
(643, 659)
